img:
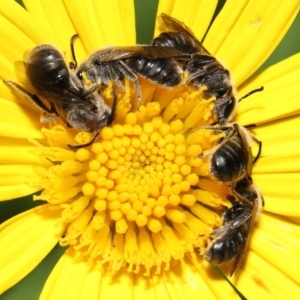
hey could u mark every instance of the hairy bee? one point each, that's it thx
(230, 241)
(58, 92)
(202, 67)
(116, 63)
(232, 162)
(232, 159)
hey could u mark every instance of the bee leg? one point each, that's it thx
(228, 129)
(33, 98)
(224, 106)
(128, 73)
(138, 93)
(75, 147)
(113, 110)
(109, 121)
(91, 90)
(46, 119)
(120, 85)
(235, 223)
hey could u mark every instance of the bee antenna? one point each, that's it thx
(252, 92)
(73, 65)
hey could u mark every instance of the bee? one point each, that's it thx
(232, 163)
(232, 159)
(58, 92)
(116, 63)
(202, 67)
(230, 241)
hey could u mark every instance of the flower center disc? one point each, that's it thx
(142, 195)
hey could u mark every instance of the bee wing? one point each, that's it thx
(247, 141)
(21, 73)
(240, 257)
(175, 25)
(151, 52)
(26, 54)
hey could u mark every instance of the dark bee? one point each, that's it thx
(58, 92)
(232, 159)
(232, 163)
(153, 63)
(231, 240)
(202, 67)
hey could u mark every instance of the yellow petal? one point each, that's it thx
(213, 280)
(223, 23)
(70, 280)
(284, 227)
(54, 15)
(10, 192)
(273, 250)
(284, 148)
(280, 97)
(189, 283)
(17, 174)
(196, 15)
(282, 206)
(280, 143)
(17, 42)
(7, 94)
(248, 286)
(19, 132)
(261, 25)
(163, 7)
(116, 22)
(285, 236)
(35, 31)
(264, 281)
(99, 23)
(7, 70)
(278, 130)
(82, 21)
(25, 240)
(277, 164)
(23, 155)
(280, 184)
(125, 287)
(273, 73)
(262, 275)
(14, 115)
(77, 280)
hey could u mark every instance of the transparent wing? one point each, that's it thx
(175, 25)
(21, 73)
(150, 52)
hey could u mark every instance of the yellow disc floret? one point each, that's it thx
(137, 196)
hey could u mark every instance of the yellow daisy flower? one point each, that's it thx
(112, 203)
